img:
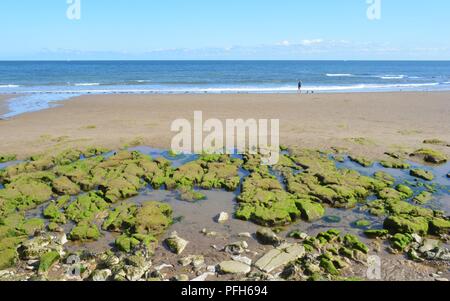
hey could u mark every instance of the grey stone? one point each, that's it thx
(279, 257)
(234, 267)
(176, 244)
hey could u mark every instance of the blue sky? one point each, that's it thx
(225, 29)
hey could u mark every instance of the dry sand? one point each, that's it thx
(386, 121)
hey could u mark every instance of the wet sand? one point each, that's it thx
(3, 103)
(386, 121)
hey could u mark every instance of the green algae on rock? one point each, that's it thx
(396, 164)
(406, 224)
(7, 158)
(361, 161)
(422, 174)
(423, 198)
(84, 231)
(430, 156)
(47, 261)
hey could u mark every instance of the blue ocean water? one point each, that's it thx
(41, 83)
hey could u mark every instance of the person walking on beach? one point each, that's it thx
(300, 86)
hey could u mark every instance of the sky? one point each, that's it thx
(225, 29)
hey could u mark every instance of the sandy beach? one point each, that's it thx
(369, 123)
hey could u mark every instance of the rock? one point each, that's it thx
(423, 197)
(163, 266)
(101, 275)
(175, 243)
(439, 226)
(279, 257)
(422, 174)
(236, 248)
(245, 235)
(441, 279)
(203, 277)
(234, 267)
(242, 259)
(222, 217)
(181, 277)
(363, 223)
(361, 161)
(406, 224)
(65, 186)
(374, 233)
(298, 235)
(47, 261)
(38, 246)
(429, 245)
(266, 236)
(85, 231)
(430, 156)
(396, 164)
(311, 211)
(407, 191)
(194, 260)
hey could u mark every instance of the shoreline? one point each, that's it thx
(364, 123)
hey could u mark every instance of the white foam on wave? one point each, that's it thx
(368, 87)
(9, 86)
(86, 84)
(339, 75)
(392, 76)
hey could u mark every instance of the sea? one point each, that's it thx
(37, 85)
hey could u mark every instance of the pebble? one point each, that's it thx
(222, 217)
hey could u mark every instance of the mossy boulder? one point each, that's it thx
(401, 241)
(376, 233)
(407, 191)
(7, 158)
(126, 243)
(406, 224)
(362, 223)
(352, 242)
(53, 213)
(361, 161)
(86, 207)
(385, 177)
(63, 186)
(396, 164)
(32, 225)
(84, 231)
(8, 258)
(310, 211)
(423, 197)
(153, 218)
(439, 226)
(47, 261)
(430, 156)
(422, 174)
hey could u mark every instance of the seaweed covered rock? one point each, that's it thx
(221, 175)
(423, 197)
(47, 261)
(86, 207)
(138, 224)
(361, 161)
(422, 174)
(7, 158)
(64, 185)
(84, 231)
(175, 243)
(406, 224)
(430, 156)
(439, 226)
(396, 164)
(310, 210)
